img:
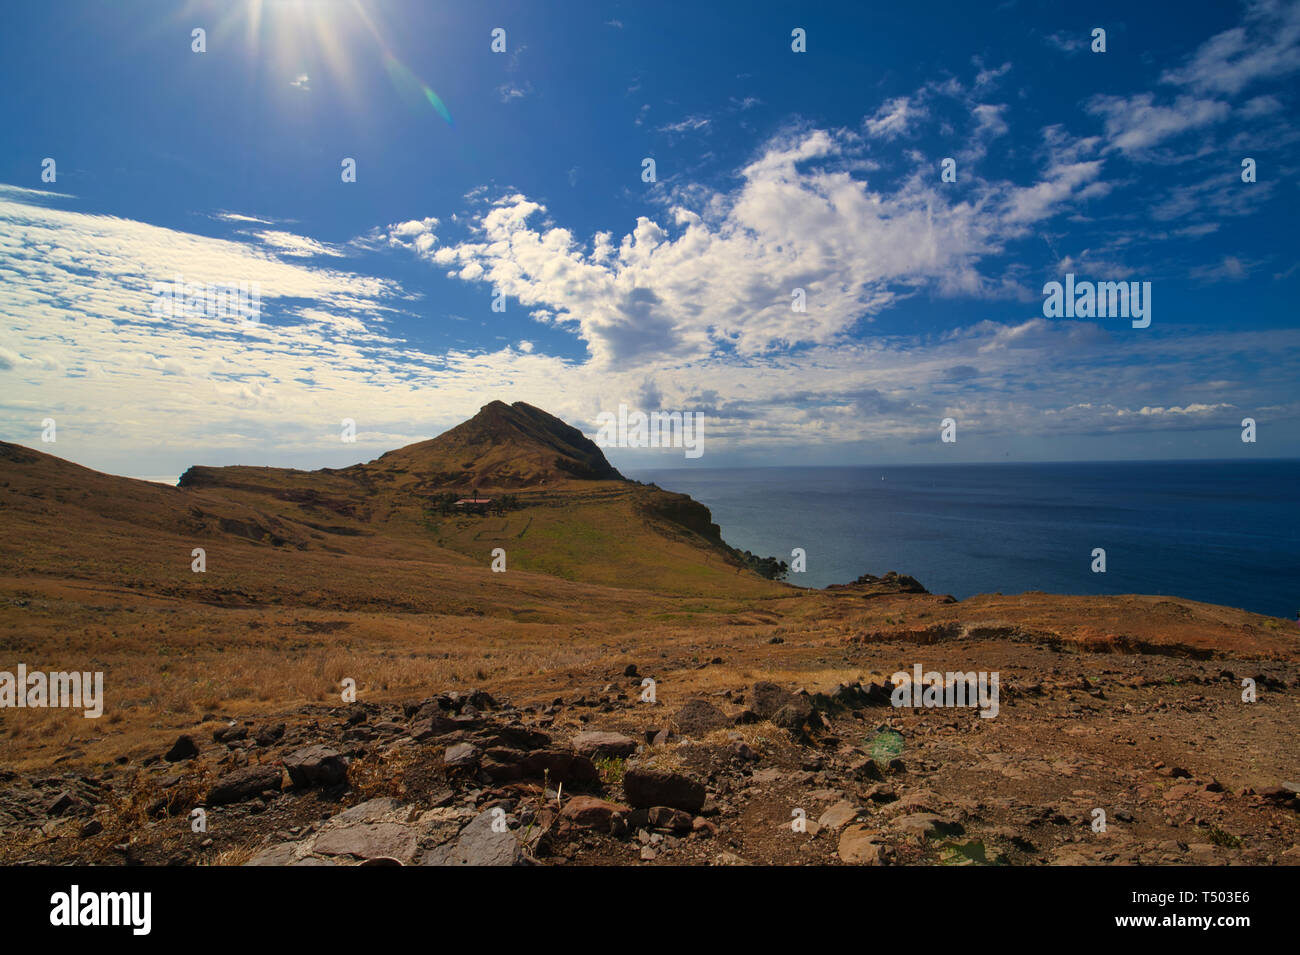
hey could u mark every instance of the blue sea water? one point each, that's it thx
(1222, 532)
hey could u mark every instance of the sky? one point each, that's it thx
(517, 176)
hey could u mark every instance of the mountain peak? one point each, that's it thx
(503, 446)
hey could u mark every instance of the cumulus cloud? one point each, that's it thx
(718, 275)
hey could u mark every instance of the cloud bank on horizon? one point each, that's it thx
(780, 178)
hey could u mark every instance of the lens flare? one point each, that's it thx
(412, 88)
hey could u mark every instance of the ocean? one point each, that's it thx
(1222, 532)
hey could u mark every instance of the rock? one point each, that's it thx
(858, 846)
(866, 769)
(316, 766)
(766, 698)
(630, 670)
(283, 854)
(183, 748)
(646, 787)
(230, 734)
(840, 814)
(703, 827)
(700, 718)
(742, 751)
(794, 716)
(665, 817)
(560, 766)
(269, 735)
(244, 784)
(589, 812)
(378, 840)
(503, 764)
(479, 845)
(920, 800)
(461, 756)
(92, 828)
(596, 744)
(926, 824)
(518, 736)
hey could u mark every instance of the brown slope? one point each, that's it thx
(573, 516)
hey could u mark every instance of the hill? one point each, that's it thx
(370, 574)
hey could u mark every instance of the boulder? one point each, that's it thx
(589, 812)
(596, 744)
(560, 766)
(795, 715)
(926, 824)
(858, 846)
(368, 840)
(766, 698)
(461, 756)
(699, 718)
(183, 748)
(674, 820)
(479, 844)
(646, 788)
(838, 815)
(244, 784)
(316, 766)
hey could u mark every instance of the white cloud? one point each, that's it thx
(893, 119)
(1134, 124)
(298, 246)
(1266, 46)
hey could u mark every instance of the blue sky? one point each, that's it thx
(521, 172)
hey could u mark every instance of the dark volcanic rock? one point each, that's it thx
(766, 698)
(316, 766)
(665, 817)
(794, 716)
(599, 745)
(462, 755)
(183, 748)
(230, 734)
(560, 766)
(244, 784)
(646, 788)
(269, 735)
(699, 718)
